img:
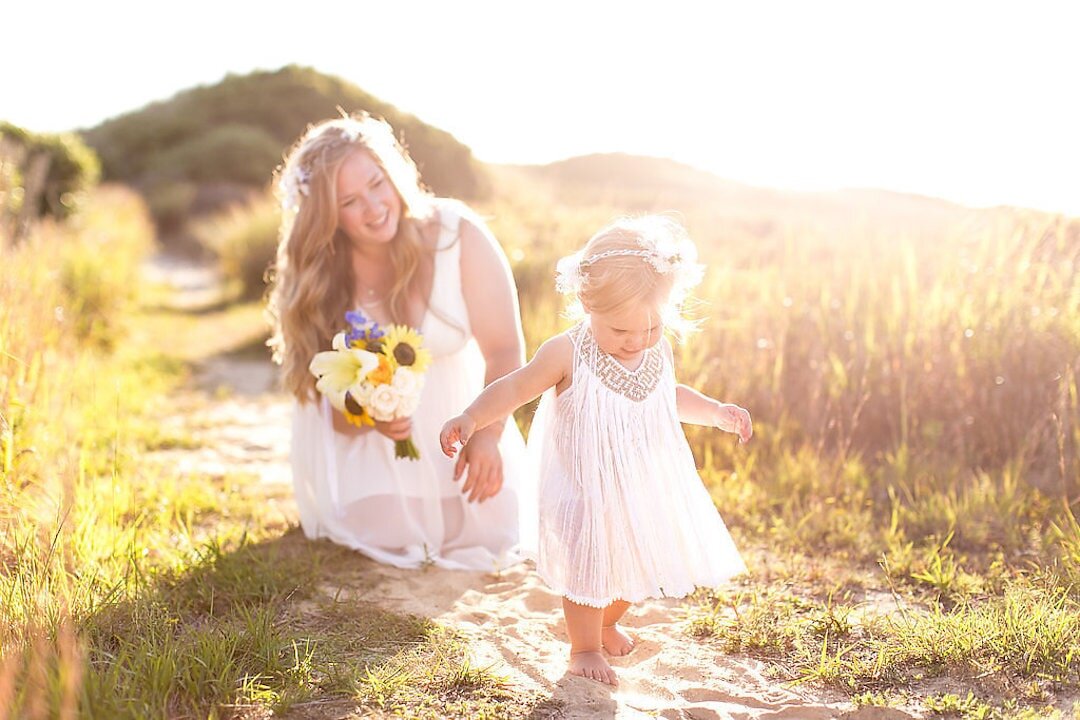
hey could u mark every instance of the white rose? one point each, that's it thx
(407, 406)
(406, 382)
(383, 403)
(361, 393)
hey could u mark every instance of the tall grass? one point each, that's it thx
(917, 431)
(929, 375)
(62, 294)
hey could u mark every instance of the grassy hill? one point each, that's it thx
(213, 145)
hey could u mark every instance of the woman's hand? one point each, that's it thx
(482, 459)
(397, 429)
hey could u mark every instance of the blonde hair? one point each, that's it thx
(313, 278)
(648, 259)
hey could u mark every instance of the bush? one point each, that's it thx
(99, 267)
(245, 242)
(72, 167)
(170, 203)
(236, 153)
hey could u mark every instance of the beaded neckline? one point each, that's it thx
(634, 384)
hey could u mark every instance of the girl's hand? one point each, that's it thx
(734, 419)
(456, 430)
(482, 459)
(397, 429)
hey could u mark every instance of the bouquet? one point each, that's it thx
(374, 374)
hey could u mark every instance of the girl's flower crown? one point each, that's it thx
(665, 254)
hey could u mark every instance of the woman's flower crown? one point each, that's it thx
(296, 181)
(664, 254)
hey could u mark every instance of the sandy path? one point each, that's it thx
(515, 626)
(513, 622)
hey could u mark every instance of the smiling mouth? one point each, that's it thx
(380, 222)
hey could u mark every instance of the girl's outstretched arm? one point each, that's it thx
(697, 408)
(549, 366)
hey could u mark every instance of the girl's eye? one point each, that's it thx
(377, 182)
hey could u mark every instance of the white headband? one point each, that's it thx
(666, 255)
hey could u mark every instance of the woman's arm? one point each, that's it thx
(491, 299)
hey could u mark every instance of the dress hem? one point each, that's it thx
(657, 594)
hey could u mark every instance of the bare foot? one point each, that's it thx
(592, 665)
(615, 641)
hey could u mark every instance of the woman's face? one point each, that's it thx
(627, 332)
(369, 208)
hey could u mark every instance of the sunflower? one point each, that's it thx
(405, 347)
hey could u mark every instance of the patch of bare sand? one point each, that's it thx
(515, 627)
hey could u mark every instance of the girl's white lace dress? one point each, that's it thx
(623, 514)
(402, 512)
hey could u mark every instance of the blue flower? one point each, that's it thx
(356, 318)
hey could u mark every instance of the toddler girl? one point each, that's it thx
(623, 513)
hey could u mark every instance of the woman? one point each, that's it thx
(360, 233)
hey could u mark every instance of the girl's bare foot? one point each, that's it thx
(615, 641)
(592, 665)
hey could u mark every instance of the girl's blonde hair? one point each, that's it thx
(648, 259)
(313, 279)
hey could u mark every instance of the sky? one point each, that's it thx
(975, 102)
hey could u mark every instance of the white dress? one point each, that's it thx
(353, 490)
(623, 514)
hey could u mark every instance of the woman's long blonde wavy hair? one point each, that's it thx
(313, 279)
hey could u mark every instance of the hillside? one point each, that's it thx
(634, 183)
(235, 131)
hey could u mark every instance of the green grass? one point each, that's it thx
(907, 506)
(128, 590)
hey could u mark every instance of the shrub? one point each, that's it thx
(237, 153)
(245, 242)
(72, 167)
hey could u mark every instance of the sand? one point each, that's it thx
(515, 627)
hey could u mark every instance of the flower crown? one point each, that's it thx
(295, 181)
(665, 255)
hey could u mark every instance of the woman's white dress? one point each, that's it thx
(623, 512)
(353, 490)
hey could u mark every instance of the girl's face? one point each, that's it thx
(369, 208)
(627, 332)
